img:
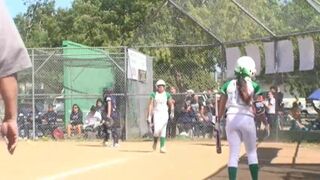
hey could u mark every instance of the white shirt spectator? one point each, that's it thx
(93, 119)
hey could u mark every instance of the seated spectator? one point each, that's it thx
(99, 106)
(187, 118)
(75, 120)
(295, 118)
(93, 118)
(207, 121)
(50, 116)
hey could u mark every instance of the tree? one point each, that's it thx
(139, 22)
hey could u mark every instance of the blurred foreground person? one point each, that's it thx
(13, 58)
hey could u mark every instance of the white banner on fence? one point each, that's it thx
(232, 54)
(285, 56)
(137, 64)
(306, 53)
(252, 50)
(269, 57)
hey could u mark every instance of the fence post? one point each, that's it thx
(33, 98)
(125, 92)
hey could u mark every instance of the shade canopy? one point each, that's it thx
(315, 95)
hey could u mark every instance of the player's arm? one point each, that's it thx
(222, 101)
(9, 130)
(221, 106)
(109, 109)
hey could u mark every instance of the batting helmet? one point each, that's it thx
(245, 67)
(160, 82)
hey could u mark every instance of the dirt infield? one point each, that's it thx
(135, 160)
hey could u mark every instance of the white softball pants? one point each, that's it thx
(241, 128)
(160, 120)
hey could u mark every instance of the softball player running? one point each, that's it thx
(158, 108)
(236, 99)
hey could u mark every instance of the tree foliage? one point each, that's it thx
(142, 22)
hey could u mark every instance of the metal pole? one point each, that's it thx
(224, 62)
(276, 58)
(195, 21)
(33, 99)
(125, 91)
(315, 4)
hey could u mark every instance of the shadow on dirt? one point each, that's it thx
(268, 170)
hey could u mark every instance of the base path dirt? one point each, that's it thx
(136, 160)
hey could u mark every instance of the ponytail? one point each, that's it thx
(243, 90)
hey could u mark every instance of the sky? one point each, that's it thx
(16, 6)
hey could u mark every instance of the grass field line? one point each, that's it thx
(85, 169)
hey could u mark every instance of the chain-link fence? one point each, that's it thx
(73, 75)
(62, 77)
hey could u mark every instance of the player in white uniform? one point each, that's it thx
(158, 109)
(236, 99)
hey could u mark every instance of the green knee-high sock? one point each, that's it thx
(232, 171)
(254, 169)
(162, 141)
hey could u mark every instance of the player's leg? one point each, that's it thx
(234, 141)
(79, 128)
(157, 129)
(163, 135)
(115, 136)
(249, 139)
(106, 135)
(69, 130)
(160, 125)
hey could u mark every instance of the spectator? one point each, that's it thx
(207, 121)
(76, 118)
(172, 123)
(50, 116)
(278, 95)
(271, 110)
(196, 106)
(260, 112)
(210, 101)
(101, 109)
(112, 122)
(99, 106)
(260, 115)
(187, 116)
(295, 118)
(93, 117)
